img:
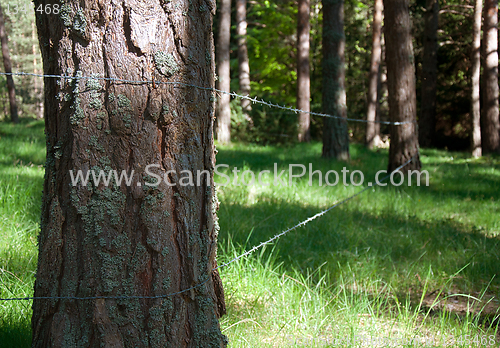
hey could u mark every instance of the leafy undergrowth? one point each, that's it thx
(413, 266)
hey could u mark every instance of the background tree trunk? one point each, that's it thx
(490, 125)
(8, 69)
(427, 121)
(223, 130)
(303, 70)
(476, 72)
(243, 64)
(401, 85)
(335, 136)
(372, 128)
(37, 82)
(128, 240)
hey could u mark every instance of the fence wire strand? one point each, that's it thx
(232, 94)
(269, 241)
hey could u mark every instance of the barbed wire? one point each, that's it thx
(246, 253)
(212, 89)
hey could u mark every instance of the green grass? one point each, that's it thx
(392, 263)
(22, 154)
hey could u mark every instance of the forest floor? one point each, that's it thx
(400, 266)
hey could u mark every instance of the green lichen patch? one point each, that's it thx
(66, 15)
(208, 57)
(100, 118)
(93, 83)
(95, 143)
(165, 63)
(78, 115)
(80, 22)
(95, 104)
(127, 120)
(123, 101)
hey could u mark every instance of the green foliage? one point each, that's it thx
(268, 126)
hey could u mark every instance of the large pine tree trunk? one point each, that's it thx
(335, 136)
(128, 240)
(243, 64)
(427, 120)
(223, 129)
(372, 128)
(303, 70)
(490, 125)
(8, 69)
(401, 85)
(476, 72)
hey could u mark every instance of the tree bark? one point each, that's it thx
(372, 128)
(490, 122)
(223, 71)
(303, 70)
(243, 64)
(146, 238)
(8, 69)
(476, 72)
(427, 121)
(401, 85)
(335, 135)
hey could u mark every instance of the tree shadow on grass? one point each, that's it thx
(16, 333)
(403, 251)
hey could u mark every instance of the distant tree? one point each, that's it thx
(37, 83)
(476, 71)
(223, 116)
(427, 120)
(401, 85)
(303, 70)
(335, 134)
(243, 64)
(8, 69)
(490, 125)
(146, 237)
(372, 128)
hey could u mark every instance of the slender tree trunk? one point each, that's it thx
(476, 72)
(8, 69)
(335, 136)
(145, 237)
(490, 122)
(223, 71)
(427, 121)
(243, 64)
(381, 90)
(303, 70)
(401, 85)
(372, 135)
(37, 82)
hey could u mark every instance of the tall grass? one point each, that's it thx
(395, 263)
(22, 154)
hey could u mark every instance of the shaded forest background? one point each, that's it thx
(272, 55)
